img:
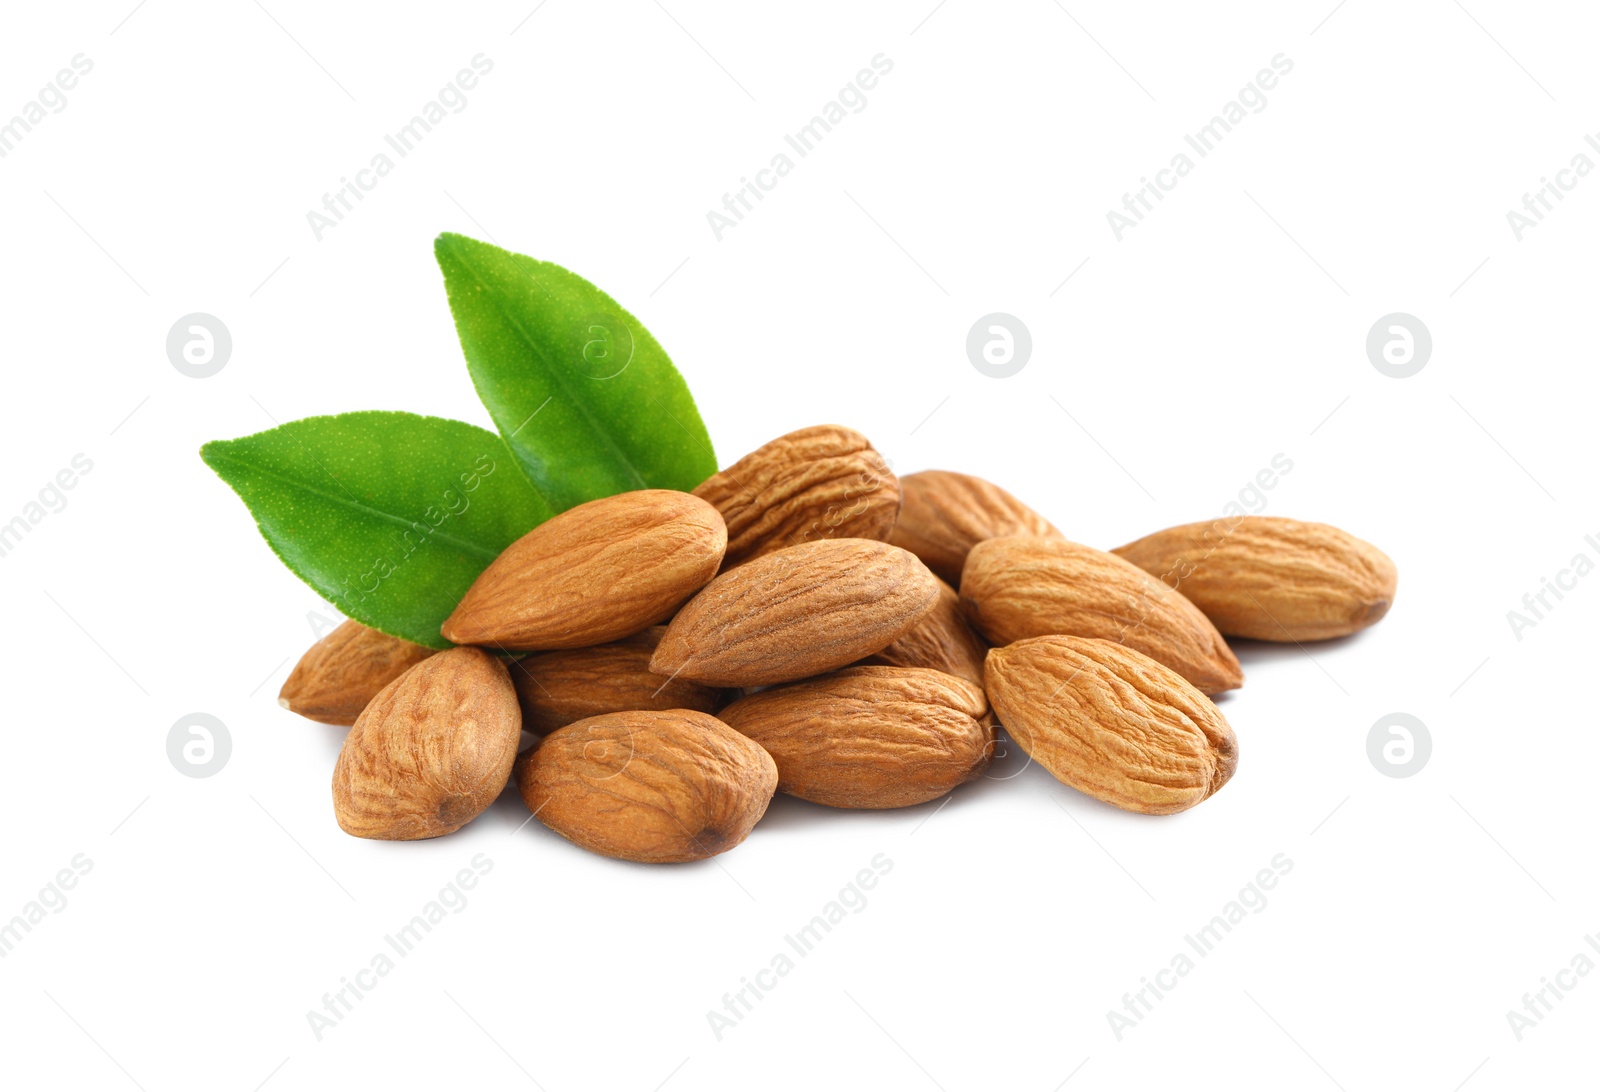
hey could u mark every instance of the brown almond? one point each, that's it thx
(797, 612)
(1112, 722)
(942, 640)
(826, 481)
(431, 751)
(595, 573)
(341, 673)
(1272, 579)
(870, 737)
(652, 786)
(944, 515)
(570, 684)
(1021, 587)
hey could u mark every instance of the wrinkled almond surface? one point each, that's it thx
(559, 687)
(431, 751)
(944, 515)
(821, 482)
(1112, 722)
(1272, 579)
(595, 573)
(869, 737)
(797, 612)
(652, 786)
(341, 673)
(942, 640)
(1020, 587)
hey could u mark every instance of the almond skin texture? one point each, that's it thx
(821, 482)
(945, 514)
(431, 751)
(1022, 587)
(1111, 722)
(595, 573)
(942, 640)
(566, 685)
(341, 673)
(870, 737)
(1272, 579)
(797, 612)
(651, 786)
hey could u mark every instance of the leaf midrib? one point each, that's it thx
(551, 370)
(348, 502)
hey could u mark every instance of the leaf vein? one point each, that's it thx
(348, 502)
(555, 374)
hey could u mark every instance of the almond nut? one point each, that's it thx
(1022, 587)
(651, 786)
(569, 684)
(595, 573)
(942, 640)
(1112, 722)
(945, 514)
(870, 737)
(819, 482)
(797, 612)
(431, 751)
(341, 673)
(1270, 578)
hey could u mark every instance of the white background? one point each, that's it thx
(1166, 372)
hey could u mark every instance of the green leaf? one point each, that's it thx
(587, 400)
(389, 516)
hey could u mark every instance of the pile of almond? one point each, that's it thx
(794, 625)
